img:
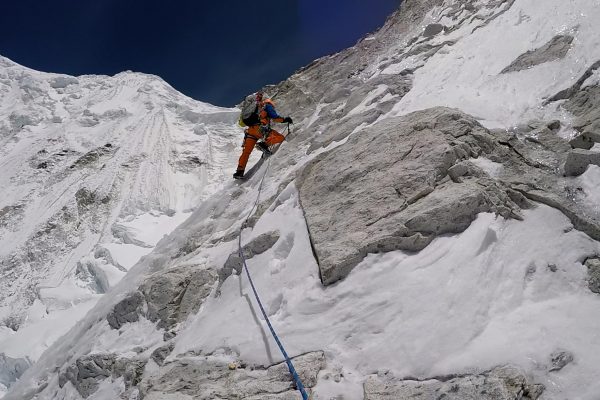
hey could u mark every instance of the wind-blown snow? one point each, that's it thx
(467, 74)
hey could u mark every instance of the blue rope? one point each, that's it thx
(288, 361)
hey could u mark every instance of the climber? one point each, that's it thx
(258, 120)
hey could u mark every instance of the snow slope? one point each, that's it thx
(468, 75)
(501, 292)
(94, 170)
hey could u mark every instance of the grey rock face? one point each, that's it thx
(130, 370)
(578, 161)
(93, 156)
(87, 199)
(10, 214)
(538, 145)
(257, 246)
(584, 103)
(555, 49)
(464, 168)
(87, 372)
(503, 383)
(593, 265)
(432, 30)
(532, 159)
(204, 379)
(582, 142)
(167, 298)
(127, 310)
(387, 188)
(160, 354)
(173, 295)
(560, 359)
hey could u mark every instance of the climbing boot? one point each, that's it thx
(239, 174)
(262, 146)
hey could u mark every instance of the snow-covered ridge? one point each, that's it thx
(501, 301)
(94, 170)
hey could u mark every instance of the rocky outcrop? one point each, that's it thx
(160, 354)
(555, 49)
(560, 359)
(93, 156)
(203, 378)
(578, 161)
(167, 298)
(257, 246)
(585, 104)
(174, 295)
(583, 101)
(388, 188)
(593, 266)
(87, 372)
(197, 377)
(127, 310)
(432, 30)
(503, 383)
(10, 215)
(532, 159)
(537, 144)
(401, 182)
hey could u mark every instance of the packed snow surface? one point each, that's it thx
(485, 297)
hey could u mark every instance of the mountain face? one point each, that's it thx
(85, 163)
(429, 229)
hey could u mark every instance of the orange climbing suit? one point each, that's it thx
(253, 134)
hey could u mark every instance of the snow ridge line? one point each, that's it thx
(288, 361)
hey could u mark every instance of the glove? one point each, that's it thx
(288, 120)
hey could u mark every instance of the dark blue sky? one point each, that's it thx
(214, 51)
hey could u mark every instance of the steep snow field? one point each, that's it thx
(127, 157)
(484, 297)
(469, 75)
(501, 292)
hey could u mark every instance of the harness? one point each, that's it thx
(264, 129)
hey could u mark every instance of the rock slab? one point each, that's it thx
(257, 246)
(503, 383)
(593, 265)
(88, 371)
(390, 188)
(167, 297)
(578, 161)
(206, 379)
(555, 49)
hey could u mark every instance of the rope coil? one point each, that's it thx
(288, 361)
